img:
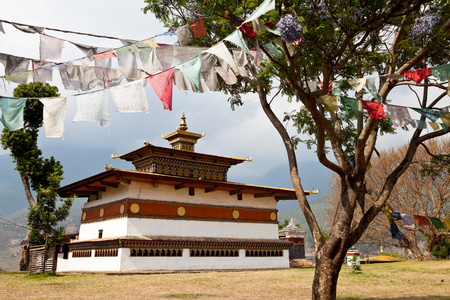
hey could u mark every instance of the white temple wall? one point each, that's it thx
(89, 263)
(142, 190)
(201, 228)
(111, 228)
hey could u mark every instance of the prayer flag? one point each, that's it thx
(198, 28)
(180, 81)
(221, 51)
(445, 127)
(399, 115)
(208, 72)
(374, 109)
(226, 74)
(150, 61)
(104, 54)
(92, 107)
(54, 115)
(350, 106)
(447, 222)
(183, 35)
(272, 50)
(162, 84)
(330, 102)
(432, 114)
(330, 87)
(191, 69)
(150, 42)
(446, 118)
(357, 84)
(129, 48)
(240, 58)
(130, 97)
(370, 86)
(50, 47)
(417, 75)
(237, 39)
(421, 124)
(408, 221)
(12, 112)
(265, 7)
(43, 71)
(437, 223)
(395, 232)
(434, 125)
(422, 220)
(247, 29)
(442, 72)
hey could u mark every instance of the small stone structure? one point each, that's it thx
(295, 235)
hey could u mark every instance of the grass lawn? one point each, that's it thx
(401, 280)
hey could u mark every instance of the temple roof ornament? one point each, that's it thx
(181, 139)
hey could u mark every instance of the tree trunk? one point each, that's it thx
(326, 277)
(24, 254)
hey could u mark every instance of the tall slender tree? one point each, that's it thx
(37, 173)
(329, 40)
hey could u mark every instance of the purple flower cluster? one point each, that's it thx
(289, 28)
(423, 25)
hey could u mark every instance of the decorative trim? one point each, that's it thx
(156, 209)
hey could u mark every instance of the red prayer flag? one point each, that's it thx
(375, 110)
(105, 54)
(422, 220)
(198, 28)
(162, 84)
(417, 75)
(247, 29)
(330, 85)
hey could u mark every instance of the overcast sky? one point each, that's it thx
(242, 133)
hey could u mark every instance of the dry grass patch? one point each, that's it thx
(404, 280)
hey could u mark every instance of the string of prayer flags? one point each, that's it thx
(432, 114)
(12, 112)
(92, 107)
(330, 102)
(191, 69)
(422, 220)
(50, 47)
(130, 97)
(395, 232)
(162, 84)
(437, 223)
(399, 115)
(417, 75)
(54, 114)
(350, 106)
(198, 28)
(374, 109)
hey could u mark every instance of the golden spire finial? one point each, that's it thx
(183, 125)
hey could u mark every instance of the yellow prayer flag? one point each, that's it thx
(150, 42)
(446, 119)
(447, 222)
(330, 102)
(434, 125)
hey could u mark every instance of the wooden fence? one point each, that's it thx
(42, 260)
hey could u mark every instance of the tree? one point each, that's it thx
(416, 193)
(37, 173)
(330, 41)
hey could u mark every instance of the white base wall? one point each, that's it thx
(135, 226)
(125, 262)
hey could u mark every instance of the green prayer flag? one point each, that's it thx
(437, 223)
(350, 106)
(442, 72)
(12, 112)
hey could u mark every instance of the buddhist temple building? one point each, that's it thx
(175, 211)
